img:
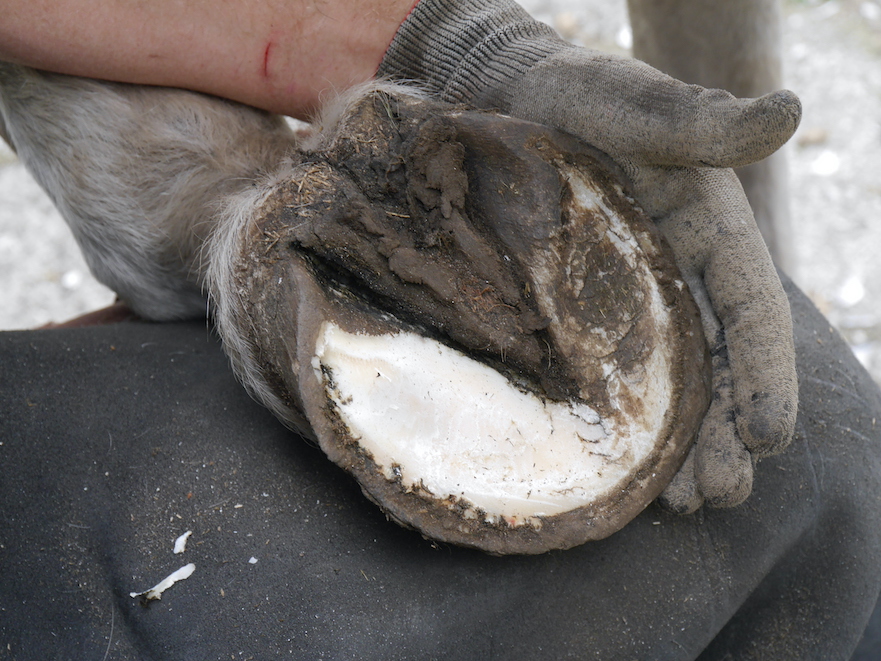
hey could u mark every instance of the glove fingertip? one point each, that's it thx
(723, 466)
(732, 437)
(681, 500)
(682, 495)
(731, 488)
(747, 130)
(786, 106)
(767, 422)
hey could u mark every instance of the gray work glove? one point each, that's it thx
(676, 143)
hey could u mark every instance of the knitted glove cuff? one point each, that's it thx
(467, 51)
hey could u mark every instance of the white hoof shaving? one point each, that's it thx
(180, 544)
(156, 591)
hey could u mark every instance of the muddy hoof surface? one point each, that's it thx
(472, 318)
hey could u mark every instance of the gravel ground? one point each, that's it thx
(832, 51)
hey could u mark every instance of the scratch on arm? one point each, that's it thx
(266, 59)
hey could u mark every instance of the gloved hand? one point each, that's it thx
(676, 143)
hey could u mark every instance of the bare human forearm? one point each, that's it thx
(280, 55)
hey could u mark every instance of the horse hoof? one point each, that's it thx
(472, 318)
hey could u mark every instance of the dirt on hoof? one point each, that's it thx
(474, 319)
